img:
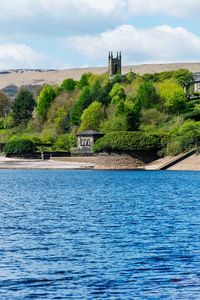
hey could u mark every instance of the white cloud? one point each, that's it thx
(88, 8)
(178, 8)
(81, 7)
(60, 16)
(158, 44)
(12, 10)
(64, 16)
(19, 56)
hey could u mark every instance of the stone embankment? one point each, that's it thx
(112, 162)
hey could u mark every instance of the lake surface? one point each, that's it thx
(99, 235)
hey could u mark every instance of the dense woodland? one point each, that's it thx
(135, 112)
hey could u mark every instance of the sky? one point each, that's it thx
(60, 34)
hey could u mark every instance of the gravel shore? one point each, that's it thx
(14, 163)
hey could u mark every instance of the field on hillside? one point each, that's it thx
(40, 77)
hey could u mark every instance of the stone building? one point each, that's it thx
(85, 142)
(114, 64)
(196, 82)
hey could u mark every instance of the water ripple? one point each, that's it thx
(99, 235)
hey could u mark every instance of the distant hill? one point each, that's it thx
(39, 77)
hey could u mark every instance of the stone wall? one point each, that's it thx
(136, 160)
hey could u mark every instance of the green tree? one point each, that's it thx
(132, 112)
(183, 77)
(23, 106)
(84, 81)
(147, 95)
(68, 85)
(117, 93)
(172, 96)
(4, 103)
(91, 117)
(83, 102)
(45, 99)
(115, 123)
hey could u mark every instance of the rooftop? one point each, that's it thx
(89, 132)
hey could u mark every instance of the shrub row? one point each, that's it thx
(20, 147)
(127, 141)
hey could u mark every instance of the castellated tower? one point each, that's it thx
(114, 64)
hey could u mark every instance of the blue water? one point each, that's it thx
(99, 235)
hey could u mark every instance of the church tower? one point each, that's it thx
(114, 64)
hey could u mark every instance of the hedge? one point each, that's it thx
(127, 141)
(19, 147)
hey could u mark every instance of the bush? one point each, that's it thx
(127, 141)
(65, 142)
(19, 147)
(115, 123)
(153, 117)
(183, 138)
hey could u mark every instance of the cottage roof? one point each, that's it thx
(89, 133)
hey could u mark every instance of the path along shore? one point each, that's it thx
(191, 163)
(17, 163)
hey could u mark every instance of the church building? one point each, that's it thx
(114, 64)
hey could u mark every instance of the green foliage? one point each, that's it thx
(2, 123)
(9, 121)
(59, 112)
(117, 94)
(65, 142)
(4, 103)
(23, 106)
(172, 95)
(115, 123)
(183, 138)
(101, 91)
(130, 77)
(48, 134)
(68, 85)
(153, 117)
(83, 102)
(19, 147)
(182, 76)
(84, 81)
(127, 141)
(146, 95)
(135, 112)
(91, 117)
(132, 113)
(45, 99)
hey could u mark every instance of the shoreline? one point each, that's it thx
(39, 164)
(51, 164)
(191, 163)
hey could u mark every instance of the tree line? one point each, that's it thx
(151, 107)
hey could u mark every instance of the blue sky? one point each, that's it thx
(79, 33)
